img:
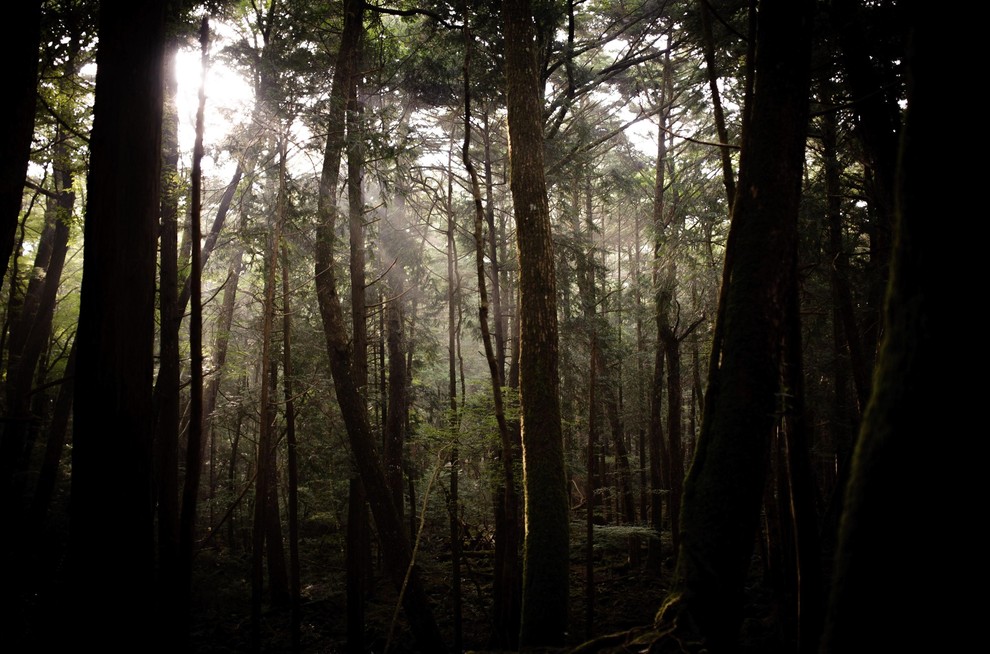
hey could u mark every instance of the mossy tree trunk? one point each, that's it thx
(545, 557)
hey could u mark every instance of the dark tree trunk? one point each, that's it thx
(357, 547)
(545, 564)
(292, 462)
(659, 457)
(111, 468)
(725, 151)
(724, 489)
(166, 398)
(506, 591)
(20, 52)
(395, 417)
(590, 488)
(194, 446)
(453, 417)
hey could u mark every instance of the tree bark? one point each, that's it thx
(545, 562)
(194, 446)
(724, 488)
(20, 52)
(111, 469)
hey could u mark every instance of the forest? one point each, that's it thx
(521, 325)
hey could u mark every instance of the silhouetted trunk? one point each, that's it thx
(166, 397)
(267, 537)
(725, 151)
(453, 417)
(724, 489)
(659, 461)
(506, 588)
(111, 468)
(290, 436)
(19, 51)
(397, 394)
(590, 488)
(194, 444)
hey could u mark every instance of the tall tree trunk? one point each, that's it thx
(20, 52)
(265, 479)
(194, 445)
(545, 560)
(506, 592)
(111, 469)
(166, 398)
(493, 249)
(453, 418)
(658, 451)
(724, 488)
(725, 151)
(353, 409)
(292, 454)
(590, 488)
(395, 418)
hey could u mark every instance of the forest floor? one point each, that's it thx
(626, 596)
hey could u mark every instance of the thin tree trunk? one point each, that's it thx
(395, 417)
(291, 446)
(267, 442)
(708, 42)
(506, 593)
(453, 419)
(166, 397)
(659, 457)
(590, 488)
(194, 446)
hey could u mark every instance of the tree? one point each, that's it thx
(545, 554)
(111, 455)
(21, 53)
(724, 488)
